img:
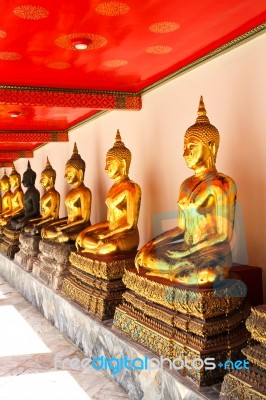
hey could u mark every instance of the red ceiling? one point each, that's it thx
(132, 44)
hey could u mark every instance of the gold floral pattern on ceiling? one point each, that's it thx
(164, 27)
(31, 12)
(2, 34)
(112, 8)
(159, 49)
(95, 41)
(58, 65)
(10, 56)
(115, 63)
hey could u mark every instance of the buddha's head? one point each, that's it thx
(29, 176)
(118, 159)
(14, 177)
(48, 176)
(201, 141)
(5, 182)
(75, 168)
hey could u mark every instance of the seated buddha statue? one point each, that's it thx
(49, 203)
(77, 201)
(16, 198)
(197, 250)
(7, 197)
(31, 201)
(119, 233)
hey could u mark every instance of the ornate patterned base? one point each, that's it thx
(29, 249)
(250, 384)
(10, 243)
(200, 303)
(52, 263)
(97, 296)
(95, 282)
(244, 385)
(175, 322)
(107, 267)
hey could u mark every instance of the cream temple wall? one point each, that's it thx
(234, 88)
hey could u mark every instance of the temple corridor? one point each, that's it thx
(31, 354)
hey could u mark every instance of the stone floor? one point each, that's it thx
(28, 367)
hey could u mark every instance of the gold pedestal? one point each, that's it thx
(95, 282)
(250, 384)
(10, 242)
(175, 322)
(52, 263)
(28, 250)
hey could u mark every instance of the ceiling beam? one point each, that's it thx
(48, 97)
(33, 136)
(14, 154)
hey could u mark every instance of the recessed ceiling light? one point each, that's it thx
(14, 114)
(81, 43)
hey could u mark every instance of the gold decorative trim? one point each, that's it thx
(243, 385)
(161, 343)
(164, 27)
(160, 49)
(10, 56)
(201, 303)
(68, 90)
(256, 355)
(96, 283)
(112, 8)
(31, 12)
(256, 324)
(101, 268)
(115, 63)
(100, 304)
(95, 41)
(184, 322)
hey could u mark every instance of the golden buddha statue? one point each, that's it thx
(31, 201)
(49, 203)
(7, 197)
(119, 233)
(77, 201)
(197, 251)
(17, 204)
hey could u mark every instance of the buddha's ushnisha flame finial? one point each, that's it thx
(118, 140)
(76, 161)
(48, 170)
(48, 164)
(29, 166)
(202, 114)
(4, 171)
(75, 149)
(13, 169)
(118, 136)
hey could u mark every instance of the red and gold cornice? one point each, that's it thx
(14, 154)
(33, 136)
(49, 97)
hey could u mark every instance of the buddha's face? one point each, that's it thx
(13, 181)
(27, 181)
(4, 185)
(113, 167)
(44, 181)
(196, 154)
(71, 175)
